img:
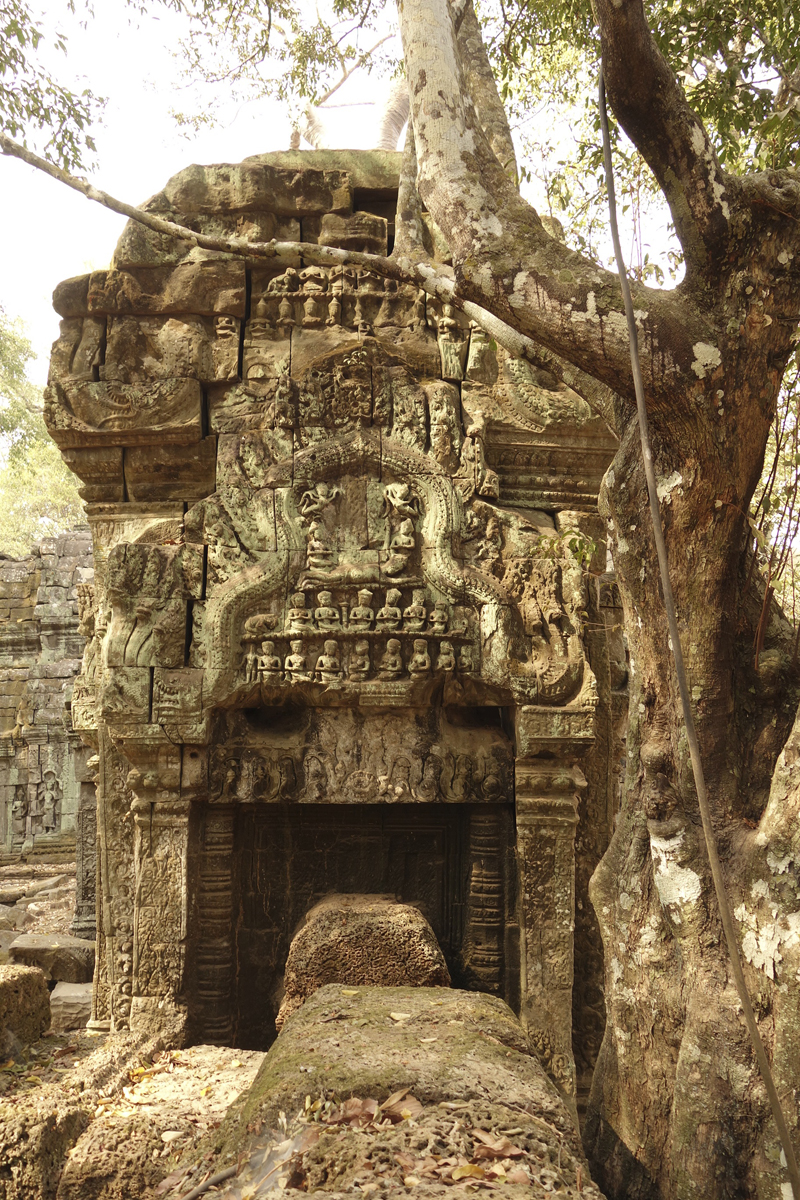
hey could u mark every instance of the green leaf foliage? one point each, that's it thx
(34, 107)
(38, 493)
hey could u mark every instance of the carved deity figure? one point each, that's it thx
(251, 665)
(452, 345)
(404, 538)
(295, 664)
(326, 616)
(446, 660)
(359, 662)
(478, 477)
(465, 663)
(439, 617)
(415, 615)
(398, 498)
(284, 399)
(299, 619)
(362, 616)
(259, 323)
(19, 813)
(49, 790)
(491, 544)
(318, 498)
(420, 663)
(329, 667)
(390, 616)
(269, 664)
(320, 553)
(285, 314)
(391, 665)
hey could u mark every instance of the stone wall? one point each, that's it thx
(42, 761)
(342, 633)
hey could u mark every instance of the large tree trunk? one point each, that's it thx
(677, 1108)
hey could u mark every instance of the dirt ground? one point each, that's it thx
(133, 1099)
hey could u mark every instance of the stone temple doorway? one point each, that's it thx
(257, 871)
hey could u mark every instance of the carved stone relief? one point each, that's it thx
(330, 573)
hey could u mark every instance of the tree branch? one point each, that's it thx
(504, 259)
(411, 236)
(650, 104)
(483, 89)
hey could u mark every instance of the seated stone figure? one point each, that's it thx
(362, 616)
(439, 617)
(329, 667)
(420, 663)
(299, 619)
(415, 615)
(446, 660)
(359, 662)
(269, 664)
(390, 616)
(326, 615)
(391, 665)
(295, 664)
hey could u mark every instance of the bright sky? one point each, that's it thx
(50, 232)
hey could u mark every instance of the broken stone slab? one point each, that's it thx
(8, 917)
(59, 956)
(359, 939)
(455, 1075)
(24, 1003)
(36, 1134)
(46, 885)
(7, 938)
(70, 1006)
(242, 187)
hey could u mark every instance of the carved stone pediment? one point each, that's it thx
(342, 634)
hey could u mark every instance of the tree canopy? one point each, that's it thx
(38, 493)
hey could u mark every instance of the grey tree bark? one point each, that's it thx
(677, 1108)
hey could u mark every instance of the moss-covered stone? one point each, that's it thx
(462, 1055)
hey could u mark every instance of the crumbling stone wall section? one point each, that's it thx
(42, 761)
(338, 636)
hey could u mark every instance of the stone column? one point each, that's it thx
(485, 917)
(214, 935)
(111, 1002)
(84, 924)
(546, 791)
(160, 853)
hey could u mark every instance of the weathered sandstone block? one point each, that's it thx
(24, 1002)
(361, 940)
(59, 956)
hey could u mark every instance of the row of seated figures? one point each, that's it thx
(328, 617)
(298, 666)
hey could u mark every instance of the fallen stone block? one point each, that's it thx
(7, 937)
(366, 940)
(60, 956)
(24, 1003)
(36, 1135)
(70, 1006)
(47, 885)
(8, 918)
(422, 1088)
